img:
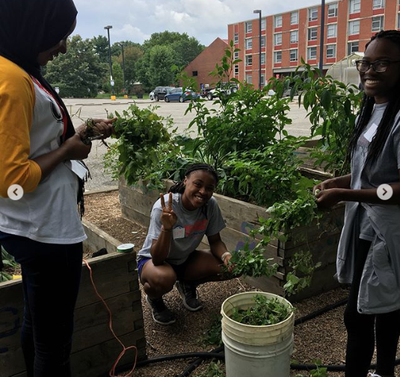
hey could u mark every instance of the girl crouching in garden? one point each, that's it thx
(170, 253)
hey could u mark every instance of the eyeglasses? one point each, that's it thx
(378, 65)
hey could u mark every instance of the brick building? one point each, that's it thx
(205, 62)
(286, 38)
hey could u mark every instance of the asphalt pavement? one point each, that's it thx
(82, 109)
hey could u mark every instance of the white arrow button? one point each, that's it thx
(15, 192)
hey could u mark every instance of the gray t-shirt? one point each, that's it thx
(188, 231)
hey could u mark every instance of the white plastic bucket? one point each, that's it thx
(255, 351)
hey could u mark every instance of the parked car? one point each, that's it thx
(151, 95)
(178, 94)
(160, 91)
(223, 89)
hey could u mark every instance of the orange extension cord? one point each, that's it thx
(110, 325)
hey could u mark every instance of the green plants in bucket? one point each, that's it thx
(257, 332)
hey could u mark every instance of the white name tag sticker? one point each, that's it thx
(369, 135)
(178, 232)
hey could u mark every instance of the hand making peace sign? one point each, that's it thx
(168, 216)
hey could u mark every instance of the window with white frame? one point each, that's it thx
(263, 58)
(236, 38)
(313, 14)
(352, 47)
(311, 53)
(331, 51)
(249, 43)
(294, 36)
(293, 55)
(249, 78)
(378, 4)
(377, 23)
(312, 34)
(354, 6)
(236, 70)
(263, 24)
(263, 41)
(248, 27)
(354, 27)
(332, 10)
(249, 60)
(331, 31)
(278, 21)
(277, 39)
(278, 57)
(236, 55)
(294, 18)
(262, 80)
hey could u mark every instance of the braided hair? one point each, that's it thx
(367, 105)
(180, 186)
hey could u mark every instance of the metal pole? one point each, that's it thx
(259, 46)
(109, 57)
(321, 42)
(123, 62)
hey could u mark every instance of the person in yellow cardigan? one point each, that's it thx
(41, 178)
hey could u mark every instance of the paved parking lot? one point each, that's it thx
(81, 109)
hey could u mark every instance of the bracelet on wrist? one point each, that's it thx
(224, 255)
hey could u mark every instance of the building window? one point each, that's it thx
(354, 6)
(195, 73)
(378, 4)
(312, 34)
(236, 55)
(331, 51)
(236, 70)
(263, 24)
(249, 27)
(263, 41)
(331, 31)
(294, 36)
(294, 18)
(277, 39)
(278, 21)
(332, 10)
(352, 47)
(278, 57)
(313, 14)
(293, 55)
(236, 38)
(249, 43)
(377, 23)
(311, 53)
(249, 79)
(249, 60)
(354, 27)
(263, 58)
(262, 80)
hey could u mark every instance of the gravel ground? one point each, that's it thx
(322, 338)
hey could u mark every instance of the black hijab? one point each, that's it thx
(28, 27)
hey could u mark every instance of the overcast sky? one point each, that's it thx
(205, 20)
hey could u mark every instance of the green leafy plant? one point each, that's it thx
(143, 138)
(7, 262)
(212, 335)
(214, 369)
(265, 311)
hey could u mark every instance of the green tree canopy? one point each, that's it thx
(77, 73)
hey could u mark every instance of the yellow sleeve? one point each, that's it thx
(17, 101)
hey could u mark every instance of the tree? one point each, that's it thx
(100, 44)
(79, 72)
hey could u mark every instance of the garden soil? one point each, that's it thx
(321, 339)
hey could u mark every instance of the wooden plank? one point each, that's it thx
(98, 360)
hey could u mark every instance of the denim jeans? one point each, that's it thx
(50, 277)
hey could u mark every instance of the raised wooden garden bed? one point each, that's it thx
(95, 350)
(240, 218)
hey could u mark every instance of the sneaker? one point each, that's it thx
(189, 296)
(373, 375)
(160, 313)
